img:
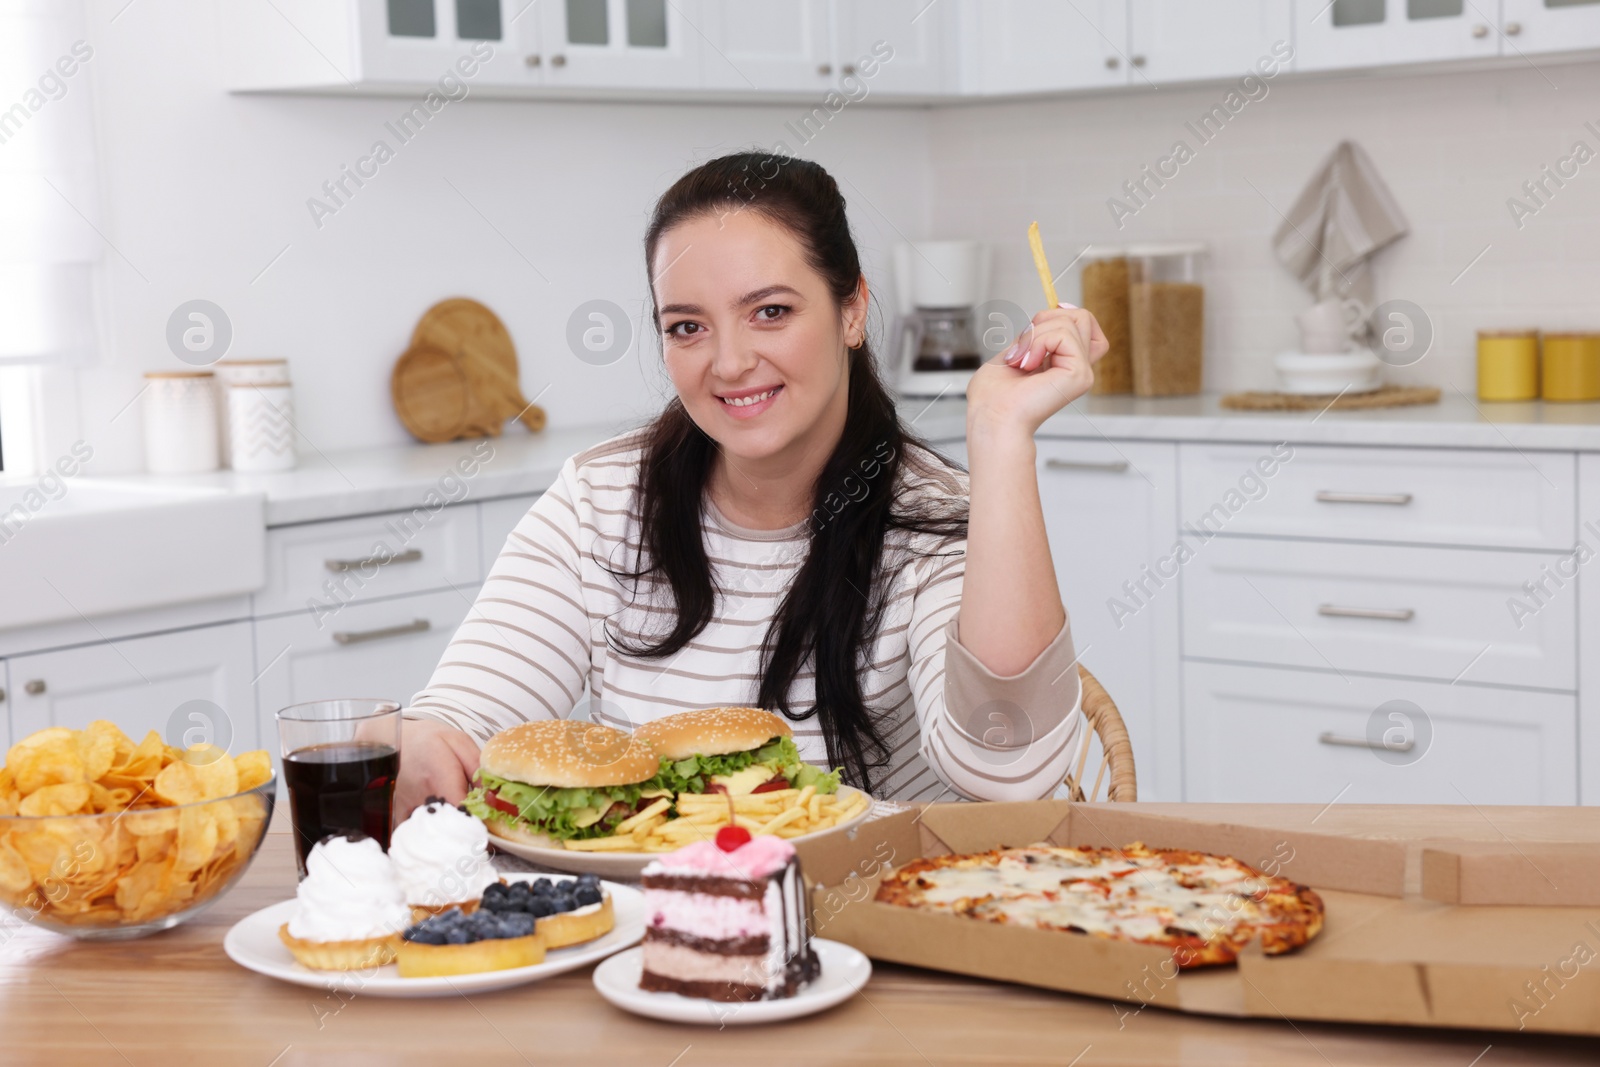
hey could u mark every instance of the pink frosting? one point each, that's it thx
(761, 856)
(705, 915)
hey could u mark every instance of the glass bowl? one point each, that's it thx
(127, 874)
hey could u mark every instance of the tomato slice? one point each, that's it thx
(492, 798)
(716, 787)
(780, 782)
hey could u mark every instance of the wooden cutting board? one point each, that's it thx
(477, 337)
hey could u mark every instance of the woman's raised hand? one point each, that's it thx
(1049, 367)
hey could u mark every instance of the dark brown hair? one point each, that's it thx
(831, 614)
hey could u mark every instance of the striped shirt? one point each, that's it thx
(534, 644)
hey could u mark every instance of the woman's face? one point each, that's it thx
(751, 336)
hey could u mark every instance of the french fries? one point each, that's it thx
(784, 812)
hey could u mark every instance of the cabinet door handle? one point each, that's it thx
(848, 69)
(1480, 30)
(1330, 496)
(1513, 28)
(533, 60)
(1116, 466)
(1112, 62)
(1392, 614)
(339, 566)
(356, 637)
(2, 696)
(558, 60)
(825, 69)
(1329, 738)
(1137, 61)
(34, 688)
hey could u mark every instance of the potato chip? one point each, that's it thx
(14, 874)
(64, 799)
(214, 770)
(97, 745)
(149, 822)
(155, 846)
(254, 769)
(177, 783)
(197, 838)
(49, 757)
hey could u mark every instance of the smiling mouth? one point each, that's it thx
(753, 398)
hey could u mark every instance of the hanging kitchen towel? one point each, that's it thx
(1343, 217)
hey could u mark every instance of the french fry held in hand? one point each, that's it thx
(784, 812)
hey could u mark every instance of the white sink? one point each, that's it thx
(101, 547)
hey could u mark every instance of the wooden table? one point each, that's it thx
(176, 999)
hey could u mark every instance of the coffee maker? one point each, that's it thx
(934, 347)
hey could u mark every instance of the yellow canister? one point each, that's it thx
(1508, 364)
(1571, 366)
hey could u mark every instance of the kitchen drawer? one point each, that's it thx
(385, 649)
(1484, 499)
(1256, 735)
(330, 563)
(496, 520)
(1426, 612)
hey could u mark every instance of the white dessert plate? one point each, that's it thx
(629, 864)
(253, 944)
(844, 971)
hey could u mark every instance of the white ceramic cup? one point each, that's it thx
(1327, 326)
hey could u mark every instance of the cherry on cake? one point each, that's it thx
(727, 920)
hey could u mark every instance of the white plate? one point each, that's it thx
(628, 864)
(253, 944)
(844, 971)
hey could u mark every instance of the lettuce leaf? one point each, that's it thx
(551, 811)
(693, 774)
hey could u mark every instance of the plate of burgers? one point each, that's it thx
(583, 797)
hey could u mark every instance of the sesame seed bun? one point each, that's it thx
(567, 754)
(712, 732)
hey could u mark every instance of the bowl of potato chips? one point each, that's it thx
(104, 838)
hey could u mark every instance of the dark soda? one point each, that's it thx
(340, 788)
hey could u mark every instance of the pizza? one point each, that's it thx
(1205, 908)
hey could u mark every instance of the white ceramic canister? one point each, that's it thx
(180, 422)
(242, 372)
(261, 422)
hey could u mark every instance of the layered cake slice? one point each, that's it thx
(727, 920)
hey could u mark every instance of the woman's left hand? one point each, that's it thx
(1049, 367)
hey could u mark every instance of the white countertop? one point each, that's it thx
(1457, 421)
(364, 481)
(397, 477)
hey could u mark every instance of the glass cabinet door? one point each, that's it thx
(618, 43)
(1366, 33)
(475, 42)
(1550, 25)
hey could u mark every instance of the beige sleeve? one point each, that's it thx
(989, 736)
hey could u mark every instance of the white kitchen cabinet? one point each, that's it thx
(144, 684)
(909, 40)
(1586, 558)
(385, 650)
(1371, 33)
(496, 520)
(448, 46)
(617, 44)
(1180, 40)
(331, 563)
(1039, 46)
(1549, 25)
(765, 45)
(1381, 609)
(1264, 735)
(1109, 509)
(5, 703)
(1467, 497)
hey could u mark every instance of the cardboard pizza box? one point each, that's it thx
(1386, 954)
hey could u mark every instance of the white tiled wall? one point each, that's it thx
(1453, 148)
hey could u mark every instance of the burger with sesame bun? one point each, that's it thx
(542, 783)
(730, 750)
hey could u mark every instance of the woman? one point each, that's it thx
(777, 538)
